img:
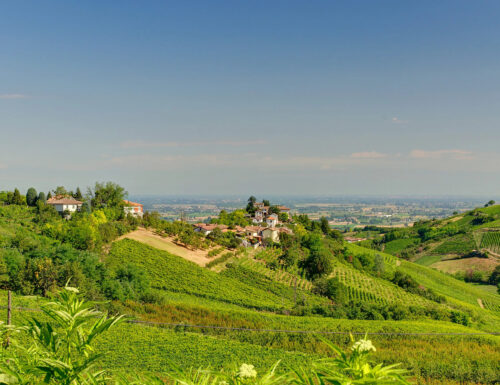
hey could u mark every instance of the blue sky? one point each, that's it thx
(238, 97)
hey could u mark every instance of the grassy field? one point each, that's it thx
(428, 260)
(439, 359)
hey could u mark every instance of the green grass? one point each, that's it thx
(459, 244)
(396, 246)
(428, 260)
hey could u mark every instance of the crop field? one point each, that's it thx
(460, 358)
(490, 241)
(395, 247)
(277, 275)
(449, 286)
(428, 260)
(172, 273)
(366, 288)
(459, 244)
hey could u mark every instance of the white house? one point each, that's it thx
(133, 208)
(65, 204)
(271, 233)
(272, 220)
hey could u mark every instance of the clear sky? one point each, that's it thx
(238, 97)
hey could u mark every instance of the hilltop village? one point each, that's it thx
(260, 223)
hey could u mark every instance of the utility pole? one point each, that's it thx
(9, 314)
(295, 292)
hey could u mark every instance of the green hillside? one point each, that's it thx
(259, 307)
(465, 242)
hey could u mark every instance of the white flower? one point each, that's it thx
(363, 346)
(247, 371)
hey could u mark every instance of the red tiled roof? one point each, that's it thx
(63, 200)
(132, 203)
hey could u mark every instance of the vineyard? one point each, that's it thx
(171, 273)
(371, 289)
(489, 240)
(277, 275)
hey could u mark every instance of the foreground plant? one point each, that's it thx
(346, 368)
(350, 368)
(58, 350)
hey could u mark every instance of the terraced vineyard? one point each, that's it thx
(277, 275)
(371, 289)
(361, 287)
(489, 240)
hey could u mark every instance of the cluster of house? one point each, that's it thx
(66, 204)
(266, 227)
(251, 236)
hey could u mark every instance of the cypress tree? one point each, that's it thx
(31, 197)
(17, 199)
(41, 197)
(78, 195)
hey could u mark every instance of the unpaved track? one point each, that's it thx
(158, 242)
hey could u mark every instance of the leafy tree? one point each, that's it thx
(78, 194)
(60, 190)
(107, 194)
(265, 202)
(494, 278)
(31, 197)
(331, 288)
(319, 263)
(379, 265)
(325, 226)
(274, 210)
(49, 195)
(250, 205)
(41, 197)
(16, 198)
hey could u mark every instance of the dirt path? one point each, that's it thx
(158, 242)
(480, 302)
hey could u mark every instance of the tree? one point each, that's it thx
(319, 263)
(107, 194)
(325, 226)
(78, 194)
(331, 288)
(60, 190)
(265, 202)
(31, 197)
(274, 210)
(251, 203)
(41, 197)
(49, 195)
(17, 199)
(379, 265)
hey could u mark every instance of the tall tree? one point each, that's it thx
(31, 197)
(41, 197)
(60, 190)
(107, 194)
(266, 202)
(78, 194)
(49, 195)
(17, 199)
(325, 226)
(251, 203)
